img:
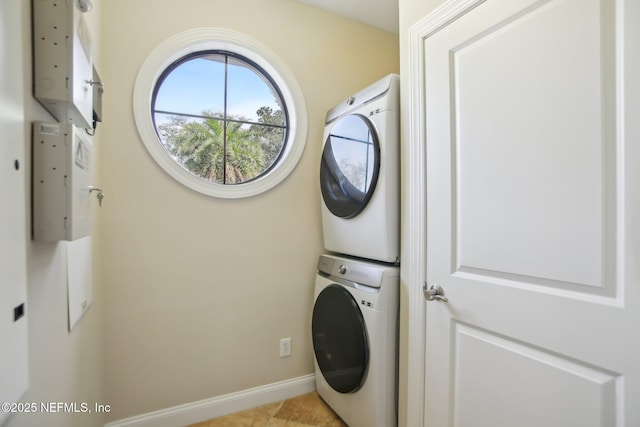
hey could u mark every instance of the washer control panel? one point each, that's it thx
(354, 271)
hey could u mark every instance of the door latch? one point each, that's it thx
(435, 292)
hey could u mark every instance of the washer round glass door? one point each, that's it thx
(340, 339)
(350, 165)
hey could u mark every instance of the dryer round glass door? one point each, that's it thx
(340, 339)
(350, 165)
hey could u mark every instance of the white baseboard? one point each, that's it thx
(194, 412)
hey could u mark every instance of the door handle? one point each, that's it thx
(435, 292)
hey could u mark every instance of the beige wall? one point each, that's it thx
(197, 291)
(63, 366)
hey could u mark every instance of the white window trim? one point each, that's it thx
(202, 39)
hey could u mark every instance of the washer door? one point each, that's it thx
(350, 166)
(340, 339)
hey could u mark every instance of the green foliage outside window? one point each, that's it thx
(228, 151)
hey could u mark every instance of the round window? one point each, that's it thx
(220, 113)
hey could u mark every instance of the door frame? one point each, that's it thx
(414, 224)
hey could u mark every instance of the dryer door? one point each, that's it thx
(350, 166)
(340, 339)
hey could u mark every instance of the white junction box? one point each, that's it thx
(62, 61)
(61, 185)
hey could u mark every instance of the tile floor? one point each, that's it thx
(308, 410)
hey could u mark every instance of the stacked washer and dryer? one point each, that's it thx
(356, 301)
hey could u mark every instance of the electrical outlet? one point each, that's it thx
(285, 347)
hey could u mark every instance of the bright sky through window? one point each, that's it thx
(198, 85)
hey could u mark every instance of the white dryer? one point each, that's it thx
(360, 174)
(354, 332)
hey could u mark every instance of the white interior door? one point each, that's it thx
(527, 118)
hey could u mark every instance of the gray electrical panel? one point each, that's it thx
(63, 63)
(61, 182)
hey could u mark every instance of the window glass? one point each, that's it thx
(220, 117)
(250, 92)
(192, 87)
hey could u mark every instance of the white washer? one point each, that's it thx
(354, 331)
(360, 174)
